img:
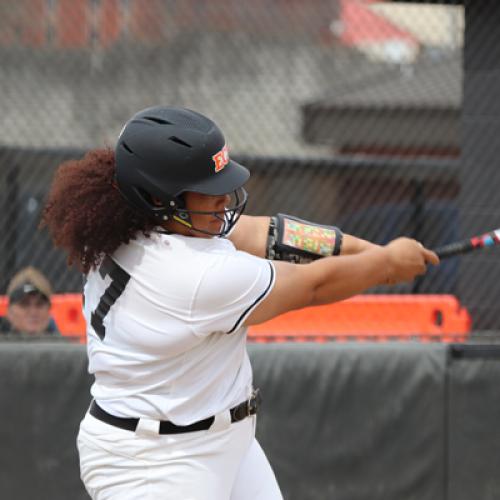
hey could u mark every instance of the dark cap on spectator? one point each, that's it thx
(28, 281)
(28, 288)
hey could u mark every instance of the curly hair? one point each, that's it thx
(85, 213)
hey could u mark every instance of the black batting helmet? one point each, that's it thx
(162, 152)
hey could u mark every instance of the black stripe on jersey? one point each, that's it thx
(259, 298)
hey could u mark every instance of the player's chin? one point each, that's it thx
(216, 225)
(207, 230)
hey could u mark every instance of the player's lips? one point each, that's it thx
(216, 225)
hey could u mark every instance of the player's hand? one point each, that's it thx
(407, 258)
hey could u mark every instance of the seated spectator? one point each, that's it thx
(28, 312)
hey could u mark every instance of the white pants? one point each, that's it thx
(223, 463)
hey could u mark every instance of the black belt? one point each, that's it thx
(243, 410)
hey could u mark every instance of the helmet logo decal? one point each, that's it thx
(221, 159)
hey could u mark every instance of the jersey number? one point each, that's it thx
(119, 279)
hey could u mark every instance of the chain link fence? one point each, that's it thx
(348, 112)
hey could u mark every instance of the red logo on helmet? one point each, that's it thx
(221, 159)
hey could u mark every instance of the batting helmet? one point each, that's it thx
(162, 152)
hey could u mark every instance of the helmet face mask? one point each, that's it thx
(163, 152)
(228, 217)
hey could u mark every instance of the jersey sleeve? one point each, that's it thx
(229, 290)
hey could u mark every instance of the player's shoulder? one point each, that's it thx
(162, 251)
(159, 249)
(199, 249)
(233, 269)
(231, 287)
(209, 245)
(183, 243)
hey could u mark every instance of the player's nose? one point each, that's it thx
(223, 201)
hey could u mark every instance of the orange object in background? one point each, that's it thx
(68, 315)
(372, 317)
(364, 317)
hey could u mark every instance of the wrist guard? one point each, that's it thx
(295, 240)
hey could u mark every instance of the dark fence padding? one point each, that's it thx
(474, 428)
(353, 421)
(45, 392)
(350, 421)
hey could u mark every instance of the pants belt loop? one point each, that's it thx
(222, 421)
(147, 427)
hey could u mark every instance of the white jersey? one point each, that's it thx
(174, 346)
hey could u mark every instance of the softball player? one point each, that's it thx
(174, 277)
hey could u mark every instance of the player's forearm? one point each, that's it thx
(338, 278)
(352, 245)
(250, 235)
(332, 278)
